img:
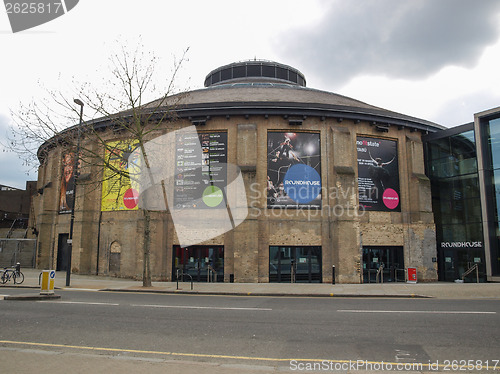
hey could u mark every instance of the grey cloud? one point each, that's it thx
(12, 171)
(461, 110)
(403, 39)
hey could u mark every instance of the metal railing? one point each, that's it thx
(211, 274)
(470, 270)
(181, 275)
(396, 275)
(380, 272)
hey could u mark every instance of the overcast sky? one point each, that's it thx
(433, 59)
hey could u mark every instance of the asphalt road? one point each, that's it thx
(246, 334)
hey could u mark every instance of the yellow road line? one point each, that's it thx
(201, 355)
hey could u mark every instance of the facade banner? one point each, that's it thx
(293, 170)
(117, 190)
(67, 191)
(378, 174)
(189, 175)
(200, 179)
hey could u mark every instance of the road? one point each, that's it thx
(251, 334)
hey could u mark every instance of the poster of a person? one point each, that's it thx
(67, 183)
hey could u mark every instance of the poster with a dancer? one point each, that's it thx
(293, 170)
(67, 191)
(378, 174)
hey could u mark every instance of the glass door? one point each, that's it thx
(384, 261)
(202, 263)
(455, 262)
(303, 264)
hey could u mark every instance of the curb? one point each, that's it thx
(30, 297)
(270, 294)
(19, 286)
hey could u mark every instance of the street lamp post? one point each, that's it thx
(76, 173)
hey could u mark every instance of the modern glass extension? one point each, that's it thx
(451, 162)
(487, 125)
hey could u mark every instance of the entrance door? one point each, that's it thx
(202, 262)
(390, 258)
(62, 252)
(456, 261)
(304, 263)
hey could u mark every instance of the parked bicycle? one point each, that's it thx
(13, 273)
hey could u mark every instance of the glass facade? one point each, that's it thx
(489, 128)
(451, 161)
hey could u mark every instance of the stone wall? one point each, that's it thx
(104, 237)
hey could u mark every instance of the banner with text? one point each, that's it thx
(200, 179)
(378, 174)
(293, 170)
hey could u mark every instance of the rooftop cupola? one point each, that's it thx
(255, 71)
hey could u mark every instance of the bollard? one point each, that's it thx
(333, 274)
(47, 284)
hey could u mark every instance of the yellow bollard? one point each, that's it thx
(47, 283)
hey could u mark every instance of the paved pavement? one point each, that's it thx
(103, 283)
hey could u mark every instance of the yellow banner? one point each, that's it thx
(117, 190)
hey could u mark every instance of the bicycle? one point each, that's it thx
(13, 273)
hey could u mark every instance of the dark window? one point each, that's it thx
(239, 72)
(292, 76)
(268, 71)
(253, 71)
(281, 73)
(216, 77)
(226, 74)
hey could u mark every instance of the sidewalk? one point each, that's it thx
(431, 290)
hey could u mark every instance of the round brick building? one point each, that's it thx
(332, 187)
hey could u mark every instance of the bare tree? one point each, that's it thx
(122, 107)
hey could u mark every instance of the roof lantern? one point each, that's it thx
(255, 71)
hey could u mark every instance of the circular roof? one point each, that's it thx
(265, 88)
(273, 98)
